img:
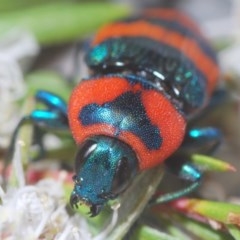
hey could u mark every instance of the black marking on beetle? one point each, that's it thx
(125, 113)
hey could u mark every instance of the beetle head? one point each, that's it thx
(104, 168)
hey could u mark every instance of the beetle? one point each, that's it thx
(149, 76)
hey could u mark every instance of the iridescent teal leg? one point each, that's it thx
(185, 171)
(54, 117)
(205, 140)
(202, 140)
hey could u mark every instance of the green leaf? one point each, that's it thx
(49, 81)
(61, 22)
(211, 164)
(179, 225)
(148, 233)
(234, 231)
(134, 200)
(6, 5)
(203, 231)
(222, 212)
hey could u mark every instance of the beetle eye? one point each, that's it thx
(122, 176)
(83, 153)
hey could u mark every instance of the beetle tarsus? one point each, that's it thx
(74, 199)
(95, 210)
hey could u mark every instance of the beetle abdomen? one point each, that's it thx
(168, 53)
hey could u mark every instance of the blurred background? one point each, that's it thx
(49, 37)
(42, 46)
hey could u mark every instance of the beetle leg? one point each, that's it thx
(184, 170)
(202, 140)
(52, 101)
(49, 119)
(53, 117)
(95, 210)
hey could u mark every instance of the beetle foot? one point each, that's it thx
(74, 200)
(95, 210)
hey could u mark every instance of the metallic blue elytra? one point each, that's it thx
(166, 68)
(192, 92)
(179, 27)
(125, 113)
(110, 161)
(98, 54)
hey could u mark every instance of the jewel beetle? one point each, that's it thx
(150, 74)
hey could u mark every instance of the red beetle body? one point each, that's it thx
(151, 73)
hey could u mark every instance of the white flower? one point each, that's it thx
(17, 48)
(37, 212)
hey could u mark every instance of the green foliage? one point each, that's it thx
(60, 22)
